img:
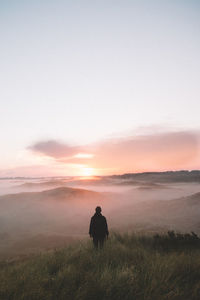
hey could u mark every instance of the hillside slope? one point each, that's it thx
(129, 267)
(60, 193)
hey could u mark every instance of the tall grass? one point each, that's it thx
(128, 267)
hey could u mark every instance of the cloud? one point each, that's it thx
(138, 153)
(168, 150)
(54, 149)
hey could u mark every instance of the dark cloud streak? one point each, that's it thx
(54, 149)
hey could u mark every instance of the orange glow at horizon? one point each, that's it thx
(134, 154)
(88, 172)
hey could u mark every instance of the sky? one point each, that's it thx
(99, 87)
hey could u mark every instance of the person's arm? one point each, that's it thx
(106, 227)
(91, 227)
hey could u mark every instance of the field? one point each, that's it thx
(130, 266)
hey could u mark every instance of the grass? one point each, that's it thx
(128, 267)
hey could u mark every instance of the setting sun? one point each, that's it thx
(87, 172)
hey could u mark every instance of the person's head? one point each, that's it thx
(98, 209)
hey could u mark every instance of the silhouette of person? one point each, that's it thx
(98, 228)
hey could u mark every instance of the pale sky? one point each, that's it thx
(81, 72)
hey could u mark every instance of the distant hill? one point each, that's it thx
(45, 184)
(144, 178)
(70, 193)
(181, 214)
(191, 200)
(61, 193)
(184, 212)
(53, 216)
(169, 176)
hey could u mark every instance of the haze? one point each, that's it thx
(39, 214)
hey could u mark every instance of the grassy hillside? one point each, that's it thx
(129, 267)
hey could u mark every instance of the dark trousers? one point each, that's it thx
(98, 241)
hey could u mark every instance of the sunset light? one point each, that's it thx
(113, 97)
(100, 149)
(88, 172)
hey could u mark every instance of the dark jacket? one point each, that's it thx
(98, 226)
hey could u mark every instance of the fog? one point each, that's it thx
(40, 214)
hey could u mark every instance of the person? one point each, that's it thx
(98, 228)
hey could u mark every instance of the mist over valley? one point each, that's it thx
(45, 213)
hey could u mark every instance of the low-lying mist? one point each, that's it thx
(44, 213)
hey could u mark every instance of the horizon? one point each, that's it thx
(99, 88)
(96, 176)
